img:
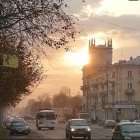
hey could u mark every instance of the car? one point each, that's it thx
(19, 127)
(15, 119)
(109, 124)
(137, 121)
(78, 128)
(126, 131)
(125, 121)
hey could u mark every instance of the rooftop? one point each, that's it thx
(132, 61)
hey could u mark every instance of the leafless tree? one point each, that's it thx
(39, 22)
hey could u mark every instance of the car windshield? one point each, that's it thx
(18, 123)
(79, 123)
(130, 128)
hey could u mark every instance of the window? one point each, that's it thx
(130, 74)
(130, 86)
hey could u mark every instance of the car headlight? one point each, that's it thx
(127, 138)
(88, 129)
(72, 129)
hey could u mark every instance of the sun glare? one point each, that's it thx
(78, 58)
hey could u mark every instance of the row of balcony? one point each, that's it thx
(112, 92)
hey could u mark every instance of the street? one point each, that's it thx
(98, 132)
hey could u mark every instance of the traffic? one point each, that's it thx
(47, 125)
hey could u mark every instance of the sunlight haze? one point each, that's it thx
(99, 19)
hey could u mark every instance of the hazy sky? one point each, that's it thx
(100, 19)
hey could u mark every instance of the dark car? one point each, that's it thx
(78, 128)
(14, 120)
(126, 131)
(109, 124)
(20, 127)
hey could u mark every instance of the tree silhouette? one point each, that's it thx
(39, 22)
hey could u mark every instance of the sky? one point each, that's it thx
(99, 19)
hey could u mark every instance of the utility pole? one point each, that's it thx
(106, 111)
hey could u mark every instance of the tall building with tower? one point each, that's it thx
(110, 91)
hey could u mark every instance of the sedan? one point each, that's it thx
(20, 127)
(78, 128)
(109, 124)
(15, 120)
(126, 131)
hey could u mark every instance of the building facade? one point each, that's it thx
(111, 91)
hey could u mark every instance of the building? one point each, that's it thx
(111, 91)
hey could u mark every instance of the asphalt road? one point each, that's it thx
(98, 132)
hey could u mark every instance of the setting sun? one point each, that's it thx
(78, 58)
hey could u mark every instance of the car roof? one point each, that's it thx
(77, 119)
(110, 120)
(18, 119)
(45, 111)
(123, 123)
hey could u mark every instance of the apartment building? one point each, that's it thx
(111, 91)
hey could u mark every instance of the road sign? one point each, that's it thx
(10, 60)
